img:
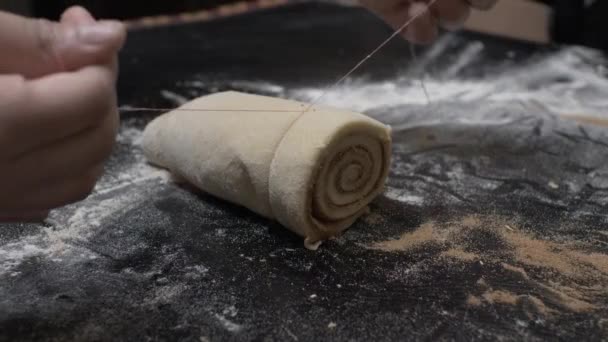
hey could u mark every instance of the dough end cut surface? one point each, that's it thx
(314, 172)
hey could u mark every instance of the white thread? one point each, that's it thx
(369, 56)
(149, 109)
(343, 78)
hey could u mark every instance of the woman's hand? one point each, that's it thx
(449, 14)
(58, 115)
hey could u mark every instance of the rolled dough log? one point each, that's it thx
(315, 172)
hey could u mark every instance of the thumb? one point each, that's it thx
(77, 15)
(37, 47)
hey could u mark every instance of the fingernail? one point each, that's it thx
(100, 32)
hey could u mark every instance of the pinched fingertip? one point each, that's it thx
(77, 15)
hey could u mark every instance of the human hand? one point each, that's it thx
(58, 115)
(449, 14)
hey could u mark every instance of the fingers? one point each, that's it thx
(396, 13)
(31, 217)
(58, 115)
(66, 159)
(451, 14)
(36, 47)
(39, 112)
(51, 195)
(55, 133)
(77, 15)
(424, 29)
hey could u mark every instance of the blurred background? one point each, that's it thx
(581, 22)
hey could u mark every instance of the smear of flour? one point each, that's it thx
(403, 196)
(228, 324)
(470, 54)
(13, 254)
(69, 227)
(177, 99)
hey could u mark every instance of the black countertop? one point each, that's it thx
(500, 202)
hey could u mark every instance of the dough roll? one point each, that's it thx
(314, 172)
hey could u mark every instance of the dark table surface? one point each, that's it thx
(494, 224)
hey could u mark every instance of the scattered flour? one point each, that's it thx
(177, 99)
(259, 86)
(468, 56)
(12, 254)
(165, 294)
(130, 135)
(403, 196)
(228, 324)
